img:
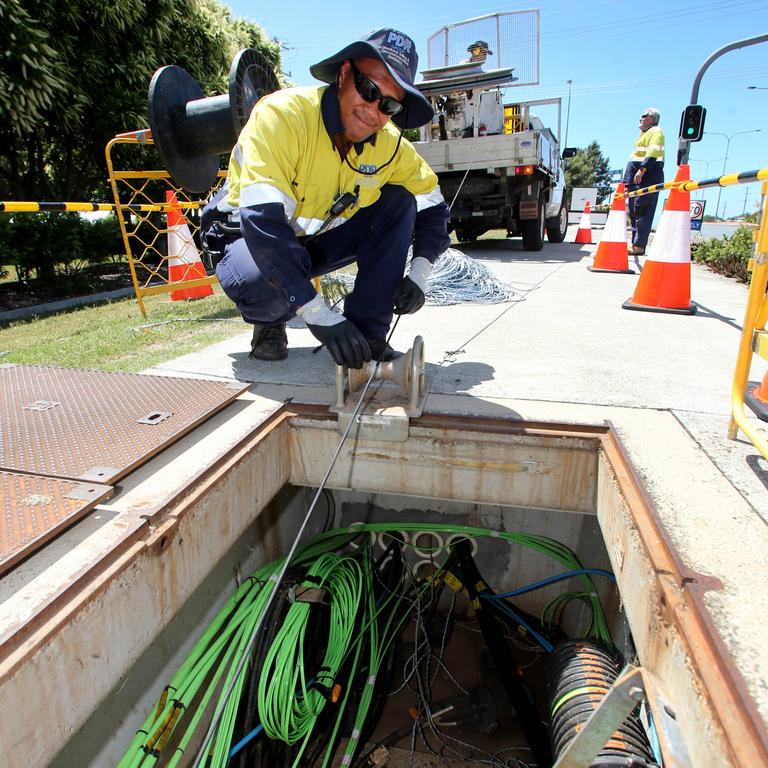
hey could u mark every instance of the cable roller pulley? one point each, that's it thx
(407, 371)
(190, 130)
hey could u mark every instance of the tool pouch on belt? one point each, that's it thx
(216, 232)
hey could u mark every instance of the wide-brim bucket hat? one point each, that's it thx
(397, 52)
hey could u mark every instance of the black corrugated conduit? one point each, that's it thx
(580, 673)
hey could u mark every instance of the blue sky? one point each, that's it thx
(621, 57)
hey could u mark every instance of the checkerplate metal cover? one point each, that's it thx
(94, 426)
(34, 509)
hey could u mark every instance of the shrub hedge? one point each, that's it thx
(46, 247)
(727, 256)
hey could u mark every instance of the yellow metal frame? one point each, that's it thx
(753, 336)
(143, 236)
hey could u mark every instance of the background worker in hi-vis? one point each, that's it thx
(645, 167)
(322, 177)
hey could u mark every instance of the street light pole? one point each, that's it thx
(707, 163)
(568, 113)
(725, 159)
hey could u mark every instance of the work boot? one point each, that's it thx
(637, 250)
(269, 342)
(381, 351)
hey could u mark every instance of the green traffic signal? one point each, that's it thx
(692, 122)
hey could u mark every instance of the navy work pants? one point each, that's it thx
(642, 209)
(376, 237)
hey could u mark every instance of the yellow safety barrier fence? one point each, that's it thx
(145, 231)
(754, 337)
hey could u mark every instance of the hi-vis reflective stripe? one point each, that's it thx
(305, 225)
(258, 194)
(745, 177)
(30, 207)
(429, 199)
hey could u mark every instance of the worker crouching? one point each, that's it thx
(321, 177)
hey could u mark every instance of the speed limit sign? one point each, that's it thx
(697, 213)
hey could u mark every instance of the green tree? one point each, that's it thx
(589, 168)
(74, 74)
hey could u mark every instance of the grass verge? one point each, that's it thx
(115, 336)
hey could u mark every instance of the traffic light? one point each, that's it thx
(692, 123)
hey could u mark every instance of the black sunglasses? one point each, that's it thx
(370, 92)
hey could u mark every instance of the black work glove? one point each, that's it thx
(345, 343)
(409, 297)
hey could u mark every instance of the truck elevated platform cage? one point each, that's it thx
(499, 166)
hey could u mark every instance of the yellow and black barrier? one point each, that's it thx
(729, 179)
(9, 206)
(754, 340)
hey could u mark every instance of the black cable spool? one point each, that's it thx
(190, 130)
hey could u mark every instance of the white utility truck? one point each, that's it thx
(499, 166)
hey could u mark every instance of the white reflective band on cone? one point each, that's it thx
(672, 242)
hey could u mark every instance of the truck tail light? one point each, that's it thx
(523, 170)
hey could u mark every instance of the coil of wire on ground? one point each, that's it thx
(455, 279)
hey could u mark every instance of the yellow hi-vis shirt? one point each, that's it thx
(649, 143)
(284, 155)
(285, 174)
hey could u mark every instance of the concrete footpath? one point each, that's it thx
(565, 340)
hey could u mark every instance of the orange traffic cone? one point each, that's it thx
(612, 254)
(756, 397)
(584, 233)
(183, 259)
(665, 282)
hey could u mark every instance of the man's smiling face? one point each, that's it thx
(359, 118)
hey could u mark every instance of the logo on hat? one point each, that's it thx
(401, 41)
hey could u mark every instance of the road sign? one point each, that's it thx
(697, 213)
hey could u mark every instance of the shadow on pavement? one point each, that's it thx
(511, 250)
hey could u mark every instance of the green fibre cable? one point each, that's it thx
(550, 547)
(194, 669)
(379, 642)
(288, 705)
(289, 702)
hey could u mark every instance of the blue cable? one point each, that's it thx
(556, 578)
(259, 728)
(240, 744)
(504, 608)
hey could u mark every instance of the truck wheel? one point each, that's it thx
(532, 231)
(466, 235)
(557, 226)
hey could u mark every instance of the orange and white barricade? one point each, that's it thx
(584, 232)
(184, 261)
(665, 282)
(612, 254)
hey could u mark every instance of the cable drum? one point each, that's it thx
(579, 675)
